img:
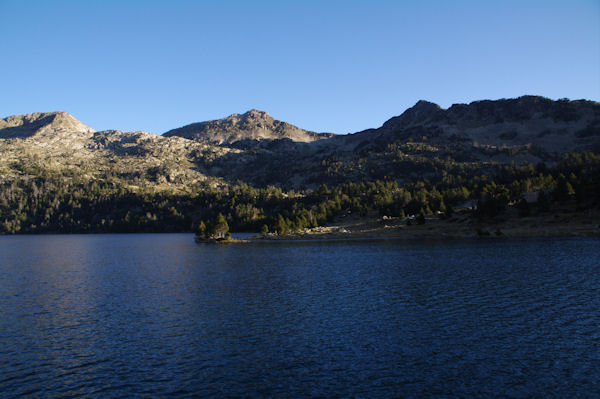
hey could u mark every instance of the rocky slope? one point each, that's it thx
(59, 144)
(426, 138)
(527, 128)
(252, 125)
(257, 149)
(43, 124)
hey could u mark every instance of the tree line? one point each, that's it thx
(50, 203)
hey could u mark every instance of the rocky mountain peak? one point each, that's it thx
(253, 125)
(421, 110)
(253, 114)
(424, 106)
(418, 113)
(40, 123)
(257, 114)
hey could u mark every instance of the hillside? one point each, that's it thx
(257, 149)
(252, 125)
(527, 128)
(425, 139)
(57, 174)
(58, 144)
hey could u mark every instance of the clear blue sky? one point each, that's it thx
(337, 66)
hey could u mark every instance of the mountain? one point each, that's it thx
(41, 124)
(59, 175)
(257, 149)
(252, 125)
(59, 144)
(528, 128)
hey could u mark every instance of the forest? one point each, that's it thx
(40, 201)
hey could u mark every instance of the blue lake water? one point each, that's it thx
(161, 316)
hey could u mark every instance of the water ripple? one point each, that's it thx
(159, 316)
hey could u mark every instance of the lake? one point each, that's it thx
(158, 315)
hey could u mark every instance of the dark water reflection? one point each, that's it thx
(158, 315)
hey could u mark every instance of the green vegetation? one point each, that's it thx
(218, 229)
(43, 202)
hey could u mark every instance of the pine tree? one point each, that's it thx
(282, 226)
(221, 228)
(264, 230)
(201, 230)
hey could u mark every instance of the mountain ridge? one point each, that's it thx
(550, 126)
(59, 175)
(528, 129)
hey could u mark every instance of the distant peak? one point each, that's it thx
(252, 125)
(423, 105)
(256, 113)
(418, 113)
(250, 114)
(62, 115)
(33, 123)
(421, 110)
(39, 117)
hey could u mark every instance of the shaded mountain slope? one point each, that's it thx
(526, 128)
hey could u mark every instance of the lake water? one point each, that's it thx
(161, 316)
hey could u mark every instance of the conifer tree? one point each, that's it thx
(220, 228)
(264, 230)
(201, 230)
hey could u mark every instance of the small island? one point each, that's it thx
(215, 232)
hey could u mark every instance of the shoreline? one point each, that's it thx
(410, 237)
(559, 224)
